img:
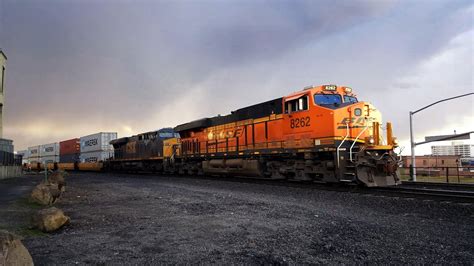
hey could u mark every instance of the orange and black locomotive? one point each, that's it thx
(322, 134)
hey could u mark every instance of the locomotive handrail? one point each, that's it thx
(381, 135)
(342, 142)
(355, 141)
(174, 148)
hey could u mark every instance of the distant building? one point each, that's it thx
(463, 150)
(6, 146)
(433, 161)
(9, 162)
(3, 62)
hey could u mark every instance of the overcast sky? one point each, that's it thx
(77, 67)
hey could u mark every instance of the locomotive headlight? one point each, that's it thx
(395, 141)
(358, 112)
(370, 140)
(347, 90)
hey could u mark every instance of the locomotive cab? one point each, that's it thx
(314, 111)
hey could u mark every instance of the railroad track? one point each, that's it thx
(443, 185)
(437, 193)
(455, 193)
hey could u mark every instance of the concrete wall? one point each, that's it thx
(10, 171)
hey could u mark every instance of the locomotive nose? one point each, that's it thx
(359, 115)
(364, 109)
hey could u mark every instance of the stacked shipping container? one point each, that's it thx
(49, 153)
(91, 148)
(34, 154)
(69, 151)
(96, 147)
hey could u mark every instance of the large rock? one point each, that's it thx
(12, 251)
(58, 178)
(45, 194)
(50, 219)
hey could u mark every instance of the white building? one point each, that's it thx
(464, 150)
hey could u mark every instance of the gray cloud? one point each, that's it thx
(78, 67)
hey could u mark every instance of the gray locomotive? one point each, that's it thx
(142, 152)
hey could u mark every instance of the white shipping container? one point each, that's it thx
(98, 142)
(34, 152)
(95, 156)
(49, 159)
(51, 149)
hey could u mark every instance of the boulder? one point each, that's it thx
(45, 194)
(50, 219)
(12, 251)
(57, 177)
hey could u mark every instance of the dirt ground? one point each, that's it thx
(133, 219)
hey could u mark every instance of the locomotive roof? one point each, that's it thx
(126, 139)
(250, 112)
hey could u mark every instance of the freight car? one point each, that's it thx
(321, 134)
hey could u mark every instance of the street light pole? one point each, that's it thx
(412, 140)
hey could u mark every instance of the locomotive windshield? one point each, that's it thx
(350, 99)
(327, 99)
(167, 135)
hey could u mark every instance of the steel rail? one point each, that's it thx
(395, 191)
(466, 186)
(425, 192)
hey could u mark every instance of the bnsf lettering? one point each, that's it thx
(355, 120)
(300, 122)
(91, 142)
(237, 133)
(226, 133)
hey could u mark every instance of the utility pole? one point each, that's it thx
(412, 143)
(412, 139)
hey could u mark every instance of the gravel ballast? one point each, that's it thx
(136, 219)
